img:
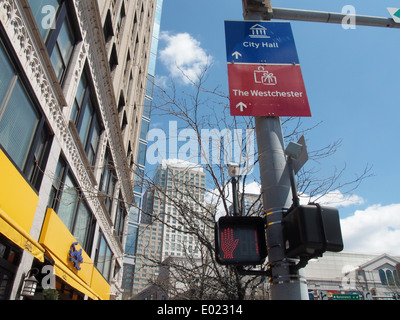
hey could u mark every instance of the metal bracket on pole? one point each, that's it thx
(327, 17)
(257, 6)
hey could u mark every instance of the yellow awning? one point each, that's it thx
(57, 241)
(64, 273)
(20, 237)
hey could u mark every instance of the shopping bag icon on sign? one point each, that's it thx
(263, 76)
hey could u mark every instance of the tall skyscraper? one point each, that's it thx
(178, 191)
(133, 222)
(72, 100)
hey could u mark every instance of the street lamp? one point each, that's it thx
(234, 171)
(30, 283)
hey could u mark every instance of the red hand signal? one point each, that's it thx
(228, 244)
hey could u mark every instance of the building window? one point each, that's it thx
(389, 277)
(131, 240)
(396, 278)
(382, 276)
(120, 216)
(23, 132)
(122, 14)
(86, 118)
(138, 180)
(144, 130)
(62, 50)
(55, 26)
(68, 201)
(45, 13)
(108, 181)
(103, 257)
(147, 107)
(108, 27)
(113, 58)
(141, 156)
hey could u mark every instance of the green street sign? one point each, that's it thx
(346, 297)
(395, 13)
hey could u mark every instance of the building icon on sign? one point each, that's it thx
(258, 31)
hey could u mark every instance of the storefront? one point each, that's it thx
(18, 203)
(74, 271)
(72, 265)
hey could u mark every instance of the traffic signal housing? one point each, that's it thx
(240, 241)
(311, 230)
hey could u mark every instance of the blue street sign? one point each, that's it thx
(260, 42)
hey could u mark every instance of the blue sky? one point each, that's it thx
(352, 78)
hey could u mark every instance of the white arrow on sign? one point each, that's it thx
(236, 54)
(395, 13)
(241, 105)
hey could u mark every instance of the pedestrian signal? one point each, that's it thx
(240, 241)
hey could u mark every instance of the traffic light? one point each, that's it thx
(310, 230)
(240, 241)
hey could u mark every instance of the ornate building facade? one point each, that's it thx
(72, 92)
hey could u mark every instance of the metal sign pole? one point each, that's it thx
(274, 175)
(275, 181)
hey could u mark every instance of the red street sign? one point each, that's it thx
(267, 90)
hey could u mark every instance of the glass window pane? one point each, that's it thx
(44, 12)
(107, 264)
(85, 126)
(110, 191)
(94, 143)
(57, 63)
(147, 108)
(382, 277)
(134, 214)
(389, 276)
(141, 157)
(396, 278)
(18, 124)
(62, 51)
(82, 224)
(56, 186)
(6, 75)
(35, 169)
(150, 85)
(138, 180)
(80, 94)
(66, 41)
(131, 240)
(144, 130)
(101, 254)
(68, 202)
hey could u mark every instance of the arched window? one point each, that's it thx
(389, 276)
(396, 278)
(382, 276)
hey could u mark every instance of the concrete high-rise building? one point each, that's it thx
(163, 231)
(72, 100)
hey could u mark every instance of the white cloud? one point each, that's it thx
(334, 198)
(373, 230)
(183, 56)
